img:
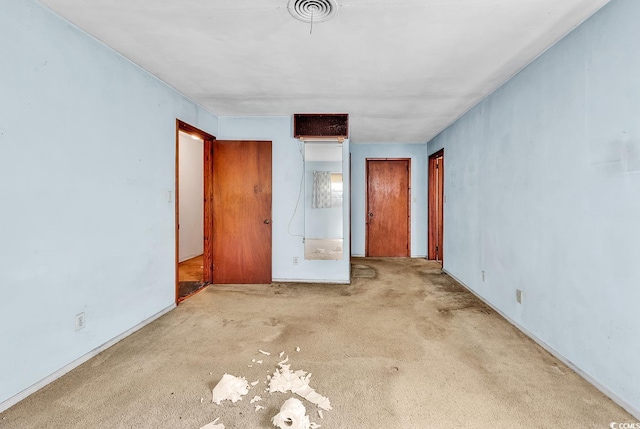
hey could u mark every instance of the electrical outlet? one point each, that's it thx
(295, 260)
(519, 296)
(80, 321)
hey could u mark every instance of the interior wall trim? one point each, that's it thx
(76, 363)
(333, 282)
(416, 256)
(593, 381)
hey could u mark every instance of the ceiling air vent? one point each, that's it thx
(313, 10)
(323, 126)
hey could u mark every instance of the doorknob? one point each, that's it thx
(370, 214)
(267, 221)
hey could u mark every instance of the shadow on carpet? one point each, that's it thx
(188, 288)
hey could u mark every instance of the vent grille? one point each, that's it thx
(313, 10)
(321, 125)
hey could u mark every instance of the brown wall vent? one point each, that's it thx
(310, 126)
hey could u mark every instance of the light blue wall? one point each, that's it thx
(542, 181)
(87, 160)
(418, 156)
(288, 222)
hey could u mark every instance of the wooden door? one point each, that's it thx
(436, 206)
(241, 212)
(207, 257)
(388, 207)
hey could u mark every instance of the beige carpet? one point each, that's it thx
(403, 346)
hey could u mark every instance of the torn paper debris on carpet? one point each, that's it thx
(284, 380)
(213, 425)
(292, 415)
(230, 388)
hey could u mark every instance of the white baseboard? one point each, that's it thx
(614, 397)
(355, 255)
(65, 369)
(186, 258)
(337, 282)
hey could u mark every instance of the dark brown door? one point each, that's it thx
(388, 207)
(436, 205)
(241, 212)
(207, 257)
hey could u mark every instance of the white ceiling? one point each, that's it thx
(403, 70)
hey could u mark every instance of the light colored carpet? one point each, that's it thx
(403, 346)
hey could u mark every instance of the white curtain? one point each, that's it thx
(321, 197)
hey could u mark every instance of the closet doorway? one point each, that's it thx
(193, 217)
(436, 206)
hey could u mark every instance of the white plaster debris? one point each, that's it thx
(314, 397)
(281, 354)
(201, 400)
(230, 388)
(297, 349)
(253, 360)
(284, 380)
(213, 425)
(250, 366)
(292, 415)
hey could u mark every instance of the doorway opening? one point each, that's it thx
(436, 207)
(388, 217)
(193, 217)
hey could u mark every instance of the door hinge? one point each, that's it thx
(437, 248)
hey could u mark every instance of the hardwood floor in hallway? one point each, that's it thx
(190, 277)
